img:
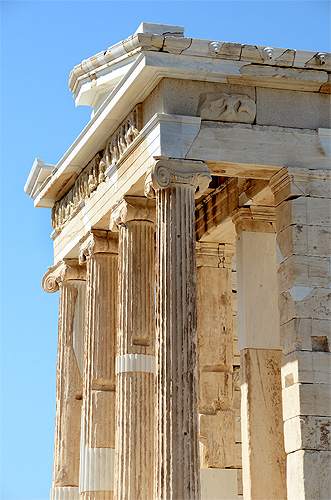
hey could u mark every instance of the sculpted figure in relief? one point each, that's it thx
(94, 173)
(122, 139)
(238, 108)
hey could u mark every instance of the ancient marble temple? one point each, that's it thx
(191, 230)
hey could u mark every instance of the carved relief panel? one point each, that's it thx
(238, 108)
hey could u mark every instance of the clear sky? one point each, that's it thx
(40, 43)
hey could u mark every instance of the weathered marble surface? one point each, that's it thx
(135, 403)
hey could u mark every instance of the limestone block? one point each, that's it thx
(300, 181)
(218, 484)
(306, 399)
(320, 185)
(303, 210)
(324, 460)
(308, 475)
(305, 334)
(217, 439)
(296, 334)
(288, 108)
(321, 329)
(306, 367)
(292, 240)
(319, 241)
(305, 240)
(301, 270)
(304, 302)
(291, 212)
(215, 391)
(312, 433)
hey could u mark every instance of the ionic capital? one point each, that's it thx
(167, 171)
(217, 255)
(97, 241)
(132, 208)
(66, 269)
(254, 218)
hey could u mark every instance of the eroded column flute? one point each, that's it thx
(135, 360)
(64, 276)
(99, 249)
(177, 467)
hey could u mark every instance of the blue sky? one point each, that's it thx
(40, 43)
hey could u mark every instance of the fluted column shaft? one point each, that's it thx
(98, 436)
(135, 362)
(176, 380)
(68, 382)
(177, 465)
(68, 395)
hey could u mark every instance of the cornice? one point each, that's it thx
(145, 61)
(268, 56)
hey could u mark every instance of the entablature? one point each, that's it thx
(125, 75)
(230, 150)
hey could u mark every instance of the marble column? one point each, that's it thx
(135, 360)
(177, 463)
(303, 216)
(67, 277)
(215, 353)
(263, 455)
(99, 250)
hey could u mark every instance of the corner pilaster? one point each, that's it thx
(302, 199)
(263, 455)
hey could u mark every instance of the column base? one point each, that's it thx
(218, 484)
(65, 493)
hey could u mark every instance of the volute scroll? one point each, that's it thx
(166, 171)
(66, 269)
